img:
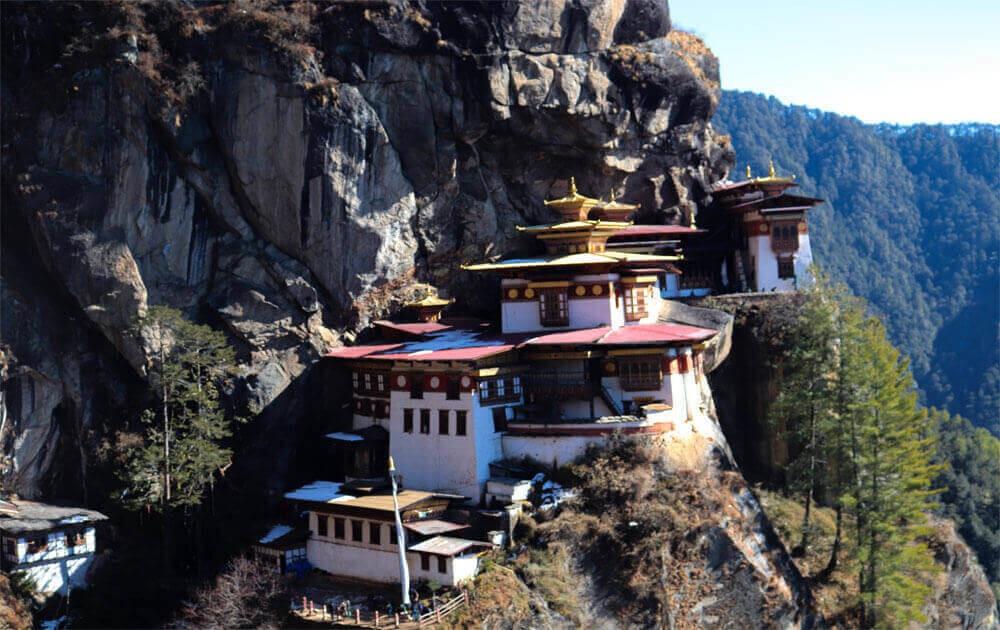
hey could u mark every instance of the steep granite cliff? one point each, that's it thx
(286, 171)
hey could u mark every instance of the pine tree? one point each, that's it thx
(183, 444)
(891, 452)
(802, 411)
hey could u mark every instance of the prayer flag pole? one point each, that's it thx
(404, 570)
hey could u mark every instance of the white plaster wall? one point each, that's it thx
(523, 316)
(463, 568)
(453, 463)
(549, 450)
(377, 565)
(382, 565)
(766, 266)
(803, 260)
(54, 576)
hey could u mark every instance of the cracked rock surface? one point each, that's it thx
(286, 172)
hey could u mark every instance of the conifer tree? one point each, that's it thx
(892, 445)
(183, 445)
(848, 399)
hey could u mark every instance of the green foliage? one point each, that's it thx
(971, 486)
(850, 396)
(912, 225)
(182, 446)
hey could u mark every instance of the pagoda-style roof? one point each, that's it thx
(429, 301)
(576, 226)
(574, 206)
(606, 258)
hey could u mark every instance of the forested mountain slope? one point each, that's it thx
(912, 224)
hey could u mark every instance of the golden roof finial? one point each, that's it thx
(612, 195)
(572, 185)
(392, 467)
(748, 172)
(770, 168)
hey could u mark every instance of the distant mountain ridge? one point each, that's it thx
(912, 224)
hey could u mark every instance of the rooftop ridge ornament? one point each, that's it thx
(770, 169)
(749, 174)
(572, 186)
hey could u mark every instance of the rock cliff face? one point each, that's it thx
(285, 172)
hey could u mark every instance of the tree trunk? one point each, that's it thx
(831, 564)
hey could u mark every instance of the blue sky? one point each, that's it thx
(880, 60)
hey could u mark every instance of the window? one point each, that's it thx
(407, 421)
(499, 390)
(453, 391)
(375, 533)
(443, 421)
(499, 419)
(76, 539)
(416, 386)
(640, 374)
(393, 536)
(357, 531)
(425, 421)
(635, 303)
(338, 528)
(553, 307)
(460, 422)
(10, 546)
(372, 382)
(321, 523)
(784, 237)
(37, 545)
(442, 564)
(425, 562)
(786, 267)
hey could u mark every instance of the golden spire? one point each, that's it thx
(770, 169)
(572, 186)
(748, 172)
(612, 195)
(392, 466)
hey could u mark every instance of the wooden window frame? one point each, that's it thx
(339, 530)
(636, 306)
(322, 525)
(425, 561)
(407, 421)
(442, 565)
(553, 307)
(357, 530)
(442, 421)
(633, 377)
(375, 533)
(417, 387)
(786, 268)
(425, 421)
(461, 422)
(453, 388)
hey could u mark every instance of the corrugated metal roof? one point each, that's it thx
(432, 527)
(448, 546)
(588, 335)
(32, 516)
(356, 352)
(655, 333)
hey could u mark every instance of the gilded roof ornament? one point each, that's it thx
(749, 175)
(770, 169)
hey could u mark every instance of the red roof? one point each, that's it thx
(656, 333)
(634, 334)
(356, 352)
(655, 230)
(588, 335)
(447, 354)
